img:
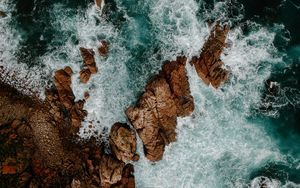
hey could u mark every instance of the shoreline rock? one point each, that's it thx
(167, 96)
(208, 65)
(89, 64)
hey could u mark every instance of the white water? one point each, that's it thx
(12, 70)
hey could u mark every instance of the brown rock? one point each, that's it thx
(85, 75)
(89, 60)
(123, 142)
(77, 115)
(98, 3)
(62, 81)
(103, 48)
(110, 170)
(208, 65)
(7, 169)
(127, 180)
(166, 97)
(86, 95)
(176, 75)
(154, 118)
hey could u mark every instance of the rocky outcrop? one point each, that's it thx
(89, 64)
(62, 81)
(103, 48)
(99, 3)
(208, 65)
(122, 141)
(167, 96)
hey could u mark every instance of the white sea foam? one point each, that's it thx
(12, 70)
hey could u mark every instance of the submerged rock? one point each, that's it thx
(2, 14)
(123, 142)
(103, 48)
(208, 65)
(167, 96)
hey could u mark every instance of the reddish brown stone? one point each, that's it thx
(208, 65)
(7, 169)
(62, 81)
(89, 60)
(110, 170)
(123, 142)
(154, 117)
(103, 48)
(85, 75)
(98, 3)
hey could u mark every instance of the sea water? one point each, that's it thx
(238, 135)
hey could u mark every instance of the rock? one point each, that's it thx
(85, 75)
(7, 169)
(167, 96)
(77, 115)
(208, 65)
(123, 142)
(154, 118)
(99, 3)
(86, 95)
(103, 48)
(89, 60)
(2, 14)
(110, 170)
(127, 178)
(176, 75)
(62, 81)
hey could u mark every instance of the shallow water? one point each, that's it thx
(238, 135)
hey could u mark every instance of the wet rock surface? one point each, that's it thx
(123, 142)
(89, 64)
(62, 81)
(167, 96)
(208, 65)
(103, 48)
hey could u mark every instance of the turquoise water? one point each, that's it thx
(238, 135)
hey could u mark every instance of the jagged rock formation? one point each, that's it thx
(208, 65)
(154, 117)
(122, 140)
(89, 64)
(52, 127)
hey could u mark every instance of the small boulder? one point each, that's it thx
(110, 171)
(85, 75)
(123, 142)
(103, 48)
(89, 60)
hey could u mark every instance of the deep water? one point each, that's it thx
(241, 135)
